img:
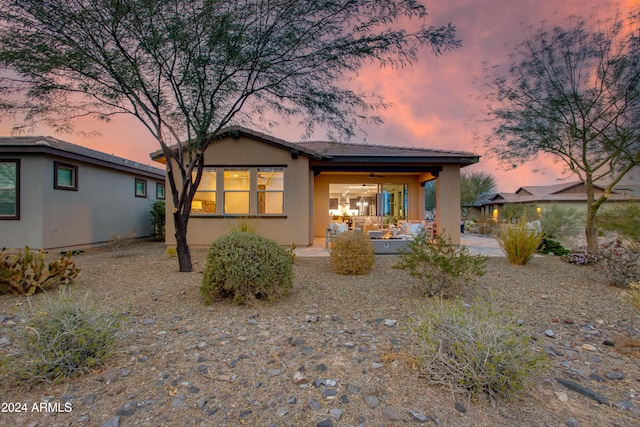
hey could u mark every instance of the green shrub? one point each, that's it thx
(158, 219)
(477, 347)
(59, 338)
(518, 242)
(26, 272)
(440, 267)
(621, 218)
(352, 253)
(561, 222)
(245, 267)
(550, 246)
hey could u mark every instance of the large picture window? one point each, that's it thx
(65, 176)
(9, 189)
(270, 192)
(236, 191)
(204, 201)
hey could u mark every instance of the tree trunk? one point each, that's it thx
(184, 256)
(590, 228)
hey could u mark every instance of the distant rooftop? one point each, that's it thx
(58, 147)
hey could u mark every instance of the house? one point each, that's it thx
(57, 195)
(568, 195)
(294, 190)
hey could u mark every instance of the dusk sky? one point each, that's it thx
(437, 102)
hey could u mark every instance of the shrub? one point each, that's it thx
(561, 222)
(440, 267)
(620, 264)
(550, 246)
(60, 338)
(26, 272)
(621, 218)
(246, 267)
(580, 256)
(158, 219)
(477, 347)
(352, 253)
(518, 242)
(119, 244)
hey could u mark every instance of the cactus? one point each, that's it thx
(25, 273)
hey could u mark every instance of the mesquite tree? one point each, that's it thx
(573, 93)
(189, 68)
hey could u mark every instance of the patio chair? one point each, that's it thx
(333, 230)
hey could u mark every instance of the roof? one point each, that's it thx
(57, 147)
(555, 193)
(330, 151)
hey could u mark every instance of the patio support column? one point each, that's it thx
(448, 202)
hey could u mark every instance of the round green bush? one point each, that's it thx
(245, 267)
(352, 253)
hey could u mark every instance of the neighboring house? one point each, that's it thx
(569, 194)
(57, 195)
(294, 190)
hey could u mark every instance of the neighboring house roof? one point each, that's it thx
(339, 152)
(564, 192)
(64, 149)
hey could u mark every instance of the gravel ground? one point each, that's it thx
(337, 352)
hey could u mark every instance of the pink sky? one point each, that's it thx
(436, 102)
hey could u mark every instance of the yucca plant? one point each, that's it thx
(519, 242)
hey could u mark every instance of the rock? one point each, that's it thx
(336, 413)
(353, 389)
(178, 402)
(562, 396)
(325, 423)
(321, 367)
(460, 407)
(329, 393)
(113, 422)
(281, 412)
(252, 322)
(390, 322)
(417, 416)
(376, 365)
(596, 378)
(589, 347)
(274, 373)
(292, 400)
(329, 382)
(573, 386)
(126, 411)
(608, 343)
(109, 376)
(296, 341)
(390, 414)
(299, 377)
(344, 399)
(549, 333)
(83, 419)
(614, 375)
(314, 404)
(118, 388)
(372, 401)
(349, 344)
(626, 405)
(148, 322)
(571, 422)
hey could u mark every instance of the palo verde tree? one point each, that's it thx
(572, 93)
(187, 69)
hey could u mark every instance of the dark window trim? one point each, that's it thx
(17, 215)
(74, 168)
(135, 189)
(164, 190)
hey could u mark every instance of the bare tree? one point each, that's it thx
(573, 93)
(189, 68)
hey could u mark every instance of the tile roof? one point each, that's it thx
(54, 146)
(328, 148)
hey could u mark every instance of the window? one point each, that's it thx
(141, 188)
(65, 176)
(204, 201)
(270, 187)
(236, 191)
(160, 191)
(9, 189)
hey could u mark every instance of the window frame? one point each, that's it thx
(142, 195)
(264, 192)
(215, 171)
(16, 216)
(74, 176)
(164, 190)
(248, 191)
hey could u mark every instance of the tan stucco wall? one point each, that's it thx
(51, 218)
(448, 213)
(292, 228)
(415, 209)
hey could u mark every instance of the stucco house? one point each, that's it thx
(294, 190)
(568, 194)
(58, 195)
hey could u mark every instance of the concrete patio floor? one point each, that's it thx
(475, 244)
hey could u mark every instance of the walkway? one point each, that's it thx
(476, 245)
